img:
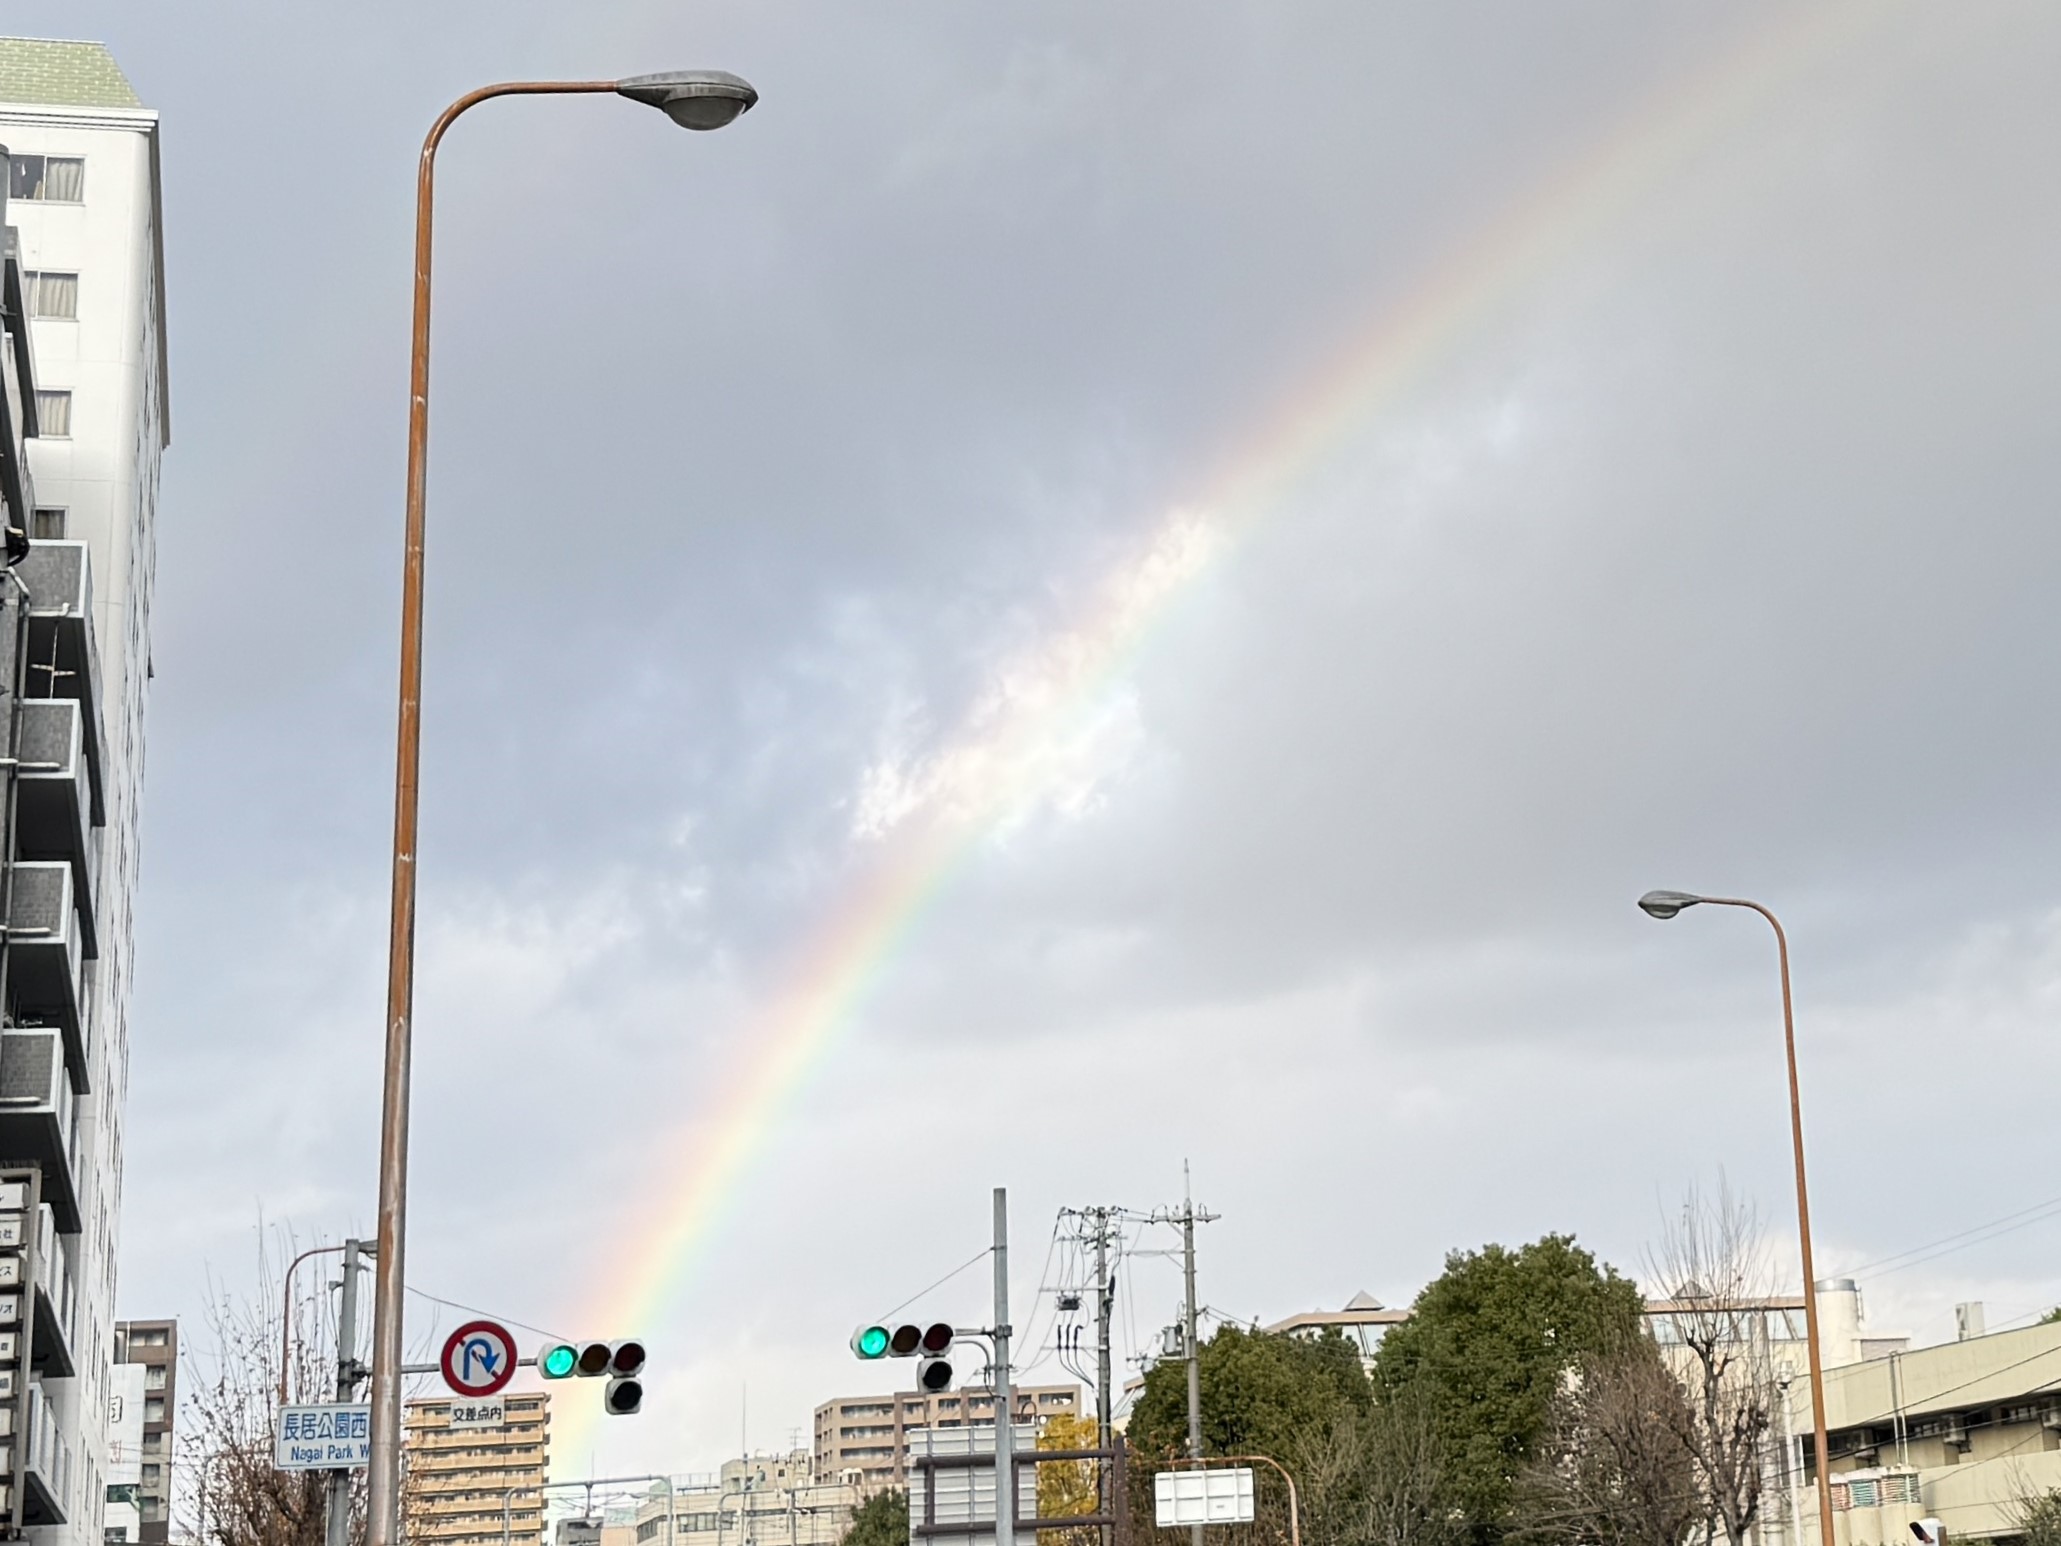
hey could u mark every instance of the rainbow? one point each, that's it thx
(1032, 734)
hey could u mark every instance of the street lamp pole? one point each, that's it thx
(705, 99)
(1666, 904)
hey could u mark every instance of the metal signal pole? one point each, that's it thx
(1005, 1399)
(1193, 1350)
(336, 1523)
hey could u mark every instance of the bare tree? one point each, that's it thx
(229, 1493)
(2037, 1516)
(1714, 1333)
(1614, 1469)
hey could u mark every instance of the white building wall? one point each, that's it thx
(105, 476)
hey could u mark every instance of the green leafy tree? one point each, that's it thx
(2052, 1317)
(1261, 1391)
(882, 1520)
(1486, 1347)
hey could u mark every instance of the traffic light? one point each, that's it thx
(930, 1343)
(622, 1362)
(935, 1372)
(625, 1393)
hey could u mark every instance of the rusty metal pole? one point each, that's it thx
(383, 1525)
(1812, 1345)
(1667, 904)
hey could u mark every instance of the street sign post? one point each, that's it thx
(478, 1359)
(328, 1437)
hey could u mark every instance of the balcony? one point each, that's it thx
(36, 1117)
(50, 1350)
(44, 949)
(64, 653)
(49, 1463)
(55, 806)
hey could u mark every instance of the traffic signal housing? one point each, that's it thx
(935, 1372)
(621, 1362)
(932, 1344)
(625, 1394)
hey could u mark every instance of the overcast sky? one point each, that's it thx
(1703, 536)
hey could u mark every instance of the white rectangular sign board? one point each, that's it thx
(1220, 1497)
(323, 1438)
(478, 1411)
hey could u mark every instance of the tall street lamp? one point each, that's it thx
(693, 99)
(1665, 904)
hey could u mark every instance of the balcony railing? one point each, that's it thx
(54, 810)
(44, 949)
(38, 1118)
(64, 654)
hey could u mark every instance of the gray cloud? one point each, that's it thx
(1712, 552)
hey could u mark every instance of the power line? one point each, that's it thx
(2034, 1214)
(981, 1255)
(493, 1315)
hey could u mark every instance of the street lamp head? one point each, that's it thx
(693, 99)
(1665, 904)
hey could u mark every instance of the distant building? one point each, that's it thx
(866, 1438)
(1362, 1322)
(1365, 1320)
(1958, 1432)
(122, 1520)
(147, 1361)
(757, 1500)
(467, 1486)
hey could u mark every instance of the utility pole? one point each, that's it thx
(336, 1523)
(1188, 1217)
(1194, 1351)
(1005, 1399)
(1103, 1295)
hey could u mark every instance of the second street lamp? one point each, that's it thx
(1668, 904)
(693, 99)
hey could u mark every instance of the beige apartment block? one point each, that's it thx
(1959, 1433)
(464, 1486)
(865, 1438)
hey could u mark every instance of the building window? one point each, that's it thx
(47, 179)
(154, 1377)
(53, 414)
(46, 524)
(52, 294)
(153, 1411)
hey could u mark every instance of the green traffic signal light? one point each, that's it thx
(870, 1341)
(557, 1361)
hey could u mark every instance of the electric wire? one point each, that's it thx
(984, 1251)
(492, 1315)
(2037, 1213)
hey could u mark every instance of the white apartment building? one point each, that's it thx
(86, 289)
(756, 1500)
